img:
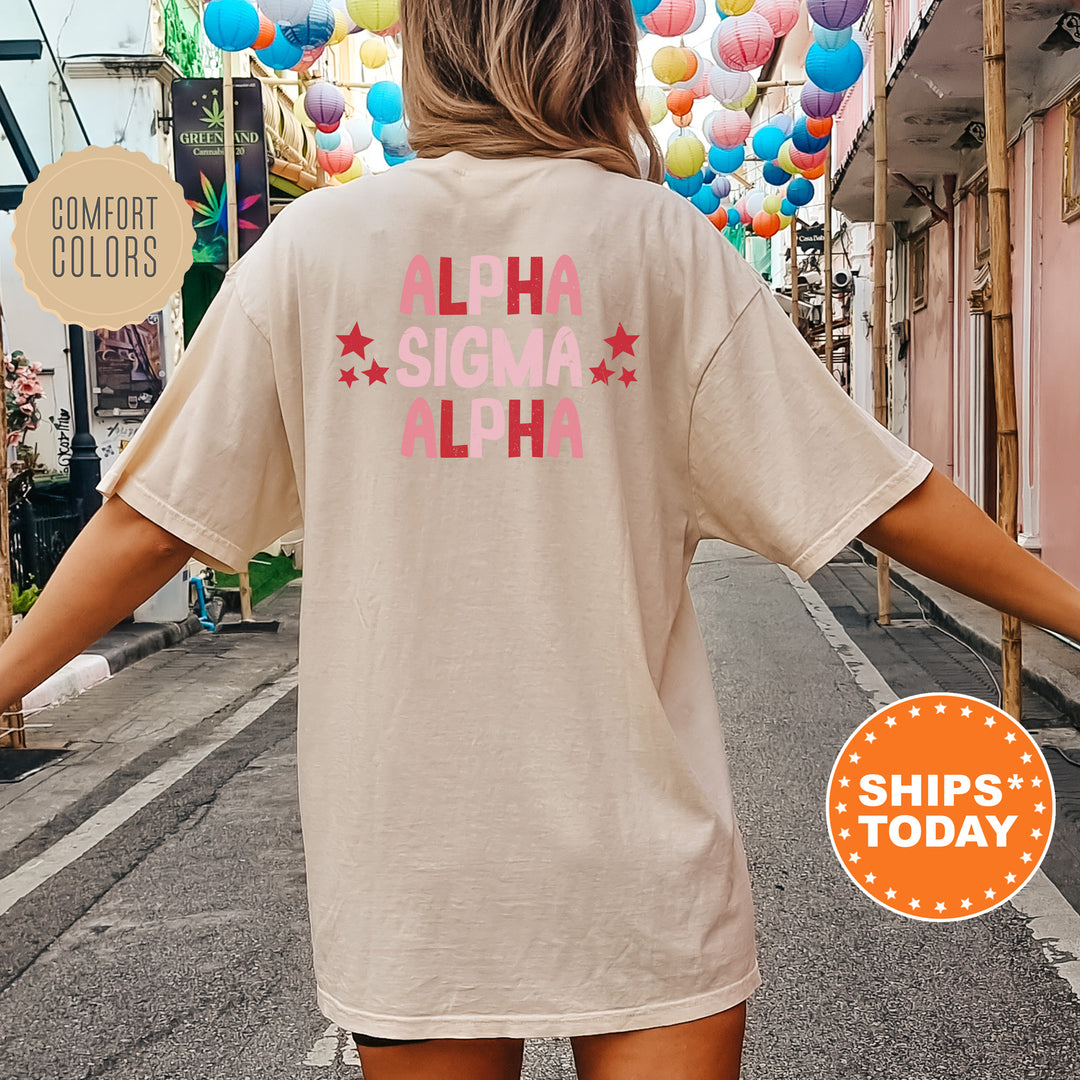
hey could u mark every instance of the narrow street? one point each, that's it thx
(168, 936)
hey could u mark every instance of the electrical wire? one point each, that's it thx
(59, 70)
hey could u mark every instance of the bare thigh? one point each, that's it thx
(706, 1049)
(444, 1059)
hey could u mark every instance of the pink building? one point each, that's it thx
(940, 363)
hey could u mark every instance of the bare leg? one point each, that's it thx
(706, 1049)
(444, 1059)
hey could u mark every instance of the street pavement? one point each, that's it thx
(162, 930)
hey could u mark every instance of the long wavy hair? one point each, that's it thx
(505, 78)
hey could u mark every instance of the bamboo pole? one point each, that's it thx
(828, 260)
(12, 730)
(997, 164)
(881, 176)
(795, 270)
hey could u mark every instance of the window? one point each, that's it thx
(919, 252)
(1070, 191)
(982, 223)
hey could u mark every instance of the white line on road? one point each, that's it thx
(79, 841)
(1052, 920)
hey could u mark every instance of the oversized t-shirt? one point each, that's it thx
(505, 398)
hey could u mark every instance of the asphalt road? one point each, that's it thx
(177, 946)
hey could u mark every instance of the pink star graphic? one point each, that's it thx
(621, 342)
(354, 342)
(348, 377)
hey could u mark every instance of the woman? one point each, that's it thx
(506, 387)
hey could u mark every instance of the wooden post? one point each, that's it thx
(795, 270)
(880, 342)
(12, 731)
(828, 260)
(997, 167)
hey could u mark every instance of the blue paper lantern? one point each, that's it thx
(232, 25)
(773, 174)
(707, 175)
(804, 141)
(396, 159)
(643, 7)
(395, 133)
(834, 70)
(726, 161)
(384, 102)
(733, 216)
(788, 208)
(767, 141)
(800, 191)
(328, 140)
(281, 53)
(831, 39)
(376, 129)
(315, 29)
(687, 186)
(706, 200)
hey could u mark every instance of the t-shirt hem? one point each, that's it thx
(210, 548)
(882, 498)
(532, 1026)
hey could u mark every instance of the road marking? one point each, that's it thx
(1052, 920)
(91, 832)
(325, 1049)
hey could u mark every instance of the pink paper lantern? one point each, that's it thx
(670, 18)
(727, 129)
(781, 15)
(744, 42)
(807, 161)
(339, 159)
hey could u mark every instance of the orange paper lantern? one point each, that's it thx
(819, 126)
(680, 102)
(267, 29)
(816, 173)
(683, 121)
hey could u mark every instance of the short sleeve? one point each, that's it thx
(211, 461)
(782, 461)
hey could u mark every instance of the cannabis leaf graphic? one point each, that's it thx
(215, 211)
(214, 116)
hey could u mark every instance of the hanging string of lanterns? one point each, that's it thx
(291, 35)
(792, 149)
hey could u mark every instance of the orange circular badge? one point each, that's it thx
(940, 807)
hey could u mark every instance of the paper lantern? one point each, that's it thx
(719, 217)
(744, 103)
(384, 102)
(815, 173)
(721, 186)
(733, 216)
(353, 172)
(787, 209)
(373, 52)
(336, 161)
(766, 224)
(301, 113)
(395, 138)
(834, 70)
(374, 15)
(693, 62)
(771, 173)
(683, 121)
(767, 142)
(392, 31)
(784, 122)
(803, 161)
(706, 200)
(359, 129)
(863, 42)
(744, 42)
(684, 185)
(727, 129)
(670, 18)
(726, 161)
(754, 202)
(314, 29)
(836, 14)
(804, 141)
(643, 7)
(771, 204)
(342, 22)
(783, 158)
(285, 11)
(699, 16)
(733, 7)
(831, 39)
(324, 103)
(653, 104)
(785, 221)
(699, 84)
(669, 64)
(819, 103)
(745, 217)
(781, 15)
(680, 102)
(281, 53)
(819, 127)
(328, 140)
(800, 191)
(685, 155)
(267, 30)
(232, 25)
(725, 85)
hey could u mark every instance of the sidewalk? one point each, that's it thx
(1050, 666)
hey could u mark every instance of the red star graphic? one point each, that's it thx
(621, 342)
(354, 342)
(601, 373)
(375, 373)
(628, 376)
(348, 377)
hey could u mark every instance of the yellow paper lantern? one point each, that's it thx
(783, 159)
(772, 204)
(743, 104)
(301, 113)
(669, 64)
(341, 27)
(653, 104)
(356, 169)
(374, 15)
(785, 221)
(685, 155)
(373, 52)
(734, 7)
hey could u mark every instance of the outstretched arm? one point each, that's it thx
(938, 531)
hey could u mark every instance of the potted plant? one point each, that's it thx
(24, 391)
(22, 600)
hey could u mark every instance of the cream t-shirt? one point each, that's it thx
(505, 398)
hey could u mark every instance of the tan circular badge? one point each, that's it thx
(103, 237)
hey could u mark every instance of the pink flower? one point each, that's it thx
(27, 408)
(35, 368)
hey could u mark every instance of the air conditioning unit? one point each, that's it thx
(842, 280)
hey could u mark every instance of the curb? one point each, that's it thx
(1060, 685)
(121, 646)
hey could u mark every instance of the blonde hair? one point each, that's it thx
(505, 78)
